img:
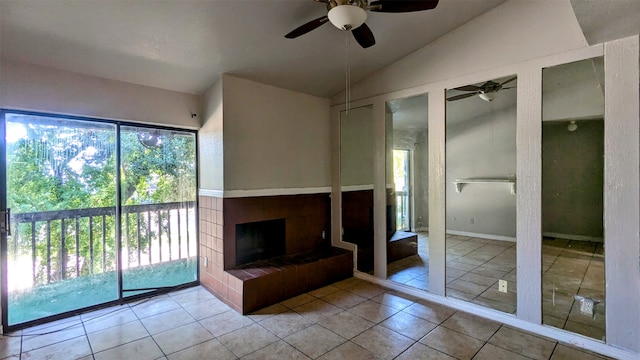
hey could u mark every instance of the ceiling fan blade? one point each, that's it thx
(510, 80)
(468, 88)
(399, 6)
(462, 96)
(364, 36)
(311, 25)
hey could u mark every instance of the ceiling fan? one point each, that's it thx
(486, 91)
(350, 15)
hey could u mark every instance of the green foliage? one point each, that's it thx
(62, 165)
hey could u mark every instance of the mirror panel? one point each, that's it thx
(573, 293)
(356, 180)
(407, 178)
(480, 193)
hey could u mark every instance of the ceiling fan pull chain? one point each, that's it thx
(347, 74)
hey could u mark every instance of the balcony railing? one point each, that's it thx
(56, 245)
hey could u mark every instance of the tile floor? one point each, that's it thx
(351, 319)
(475, 265)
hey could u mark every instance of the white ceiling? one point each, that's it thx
(186, 45)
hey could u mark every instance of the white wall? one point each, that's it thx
(36, 88)
(274, 138)
(513, 32)
(356, 147)
(210, 141)
(482, 147)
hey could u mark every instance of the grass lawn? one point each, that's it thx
(77, 293)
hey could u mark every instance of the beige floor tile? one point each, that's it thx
(496, 305)
(452, 343)
(52, 336)
(492, 352)
(467, 287)
(298, 300)
(226, 322)
(479, 279)
(247, 340)
(344, 299)
(348, 351)
(317, 310)
(10, 345)
(324, 291)
(586, 330)
(279, 350)
(459, 294)
(200, 351)
(430, 312)
(117, 335)
(373, 311)
(408, 325)
(564, 352)
(154, 306)
(100, 320)
(69, 349)
(347, 283)
(285, 324)
(194, 295)
(206, 308)
(471, 325)
(366, 290)
(422, 352)
(268, 312)
(522, 343)
(396, 301)
(169, 320)
(383, 342)
(141, 349)
(346, 324)
(315, 341)
(182, 337)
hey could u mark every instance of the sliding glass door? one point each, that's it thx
(60, 179)
(92, 212)
(158, 197)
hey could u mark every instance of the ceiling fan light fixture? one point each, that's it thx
(347, 17)
(488, 96)
(572, 126)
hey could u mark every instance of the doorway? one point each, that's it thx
(95, 212)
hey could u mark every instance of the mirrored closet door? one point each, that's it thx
(573, 291)
(407, 200)
(481, 193)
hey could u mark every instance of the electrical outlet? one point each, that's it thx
(586, 307)
(206, 261)
(502, 285)
(323, 235)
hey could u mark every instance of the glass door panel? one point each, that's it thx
(573, 243)
(407, 176)
(158, 198)
(60, 188)
(481, 193)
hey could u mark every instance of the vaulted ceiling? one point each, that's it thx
(186, 45)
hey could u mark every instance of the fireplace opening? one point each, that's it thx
(259, 240)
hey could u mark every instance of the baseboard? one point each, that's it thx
(482, 236)
(573, 237)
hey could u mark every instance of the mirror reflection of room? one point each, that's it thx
(356, 180)
(573, 289)
(480, 193)
(407, 178)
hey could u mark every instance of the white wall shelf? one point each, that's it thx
(459, 183)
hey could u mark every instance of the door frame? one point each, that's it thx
(4, 326)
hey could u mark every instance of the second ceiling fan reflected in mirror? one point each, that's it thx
(487, 91)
